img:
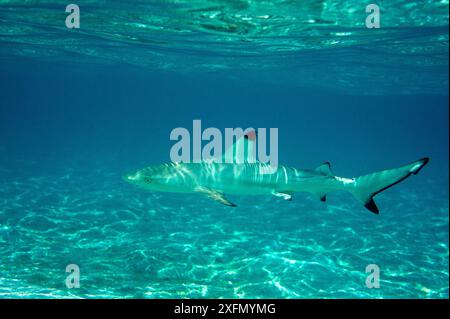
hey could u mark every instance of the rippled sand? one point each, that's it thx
(130, 243)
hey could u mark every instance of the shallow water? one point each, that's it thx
(79, 108)
(134, 244)
(318, 44)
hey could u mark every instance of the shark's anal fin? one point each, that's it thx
(215, 195)
(286, 195)
(321, 196)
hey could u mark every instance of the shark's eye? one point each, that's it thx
(147, 180)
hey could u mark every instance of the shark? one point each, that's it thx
(243, 175)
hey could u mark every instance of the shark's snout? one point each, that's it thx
(138, 178)
(132, 177)
(159, 178)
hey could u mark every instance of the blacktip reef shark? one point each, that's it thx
(215, 179)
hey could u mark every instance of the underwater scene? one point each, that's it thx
(97, 95)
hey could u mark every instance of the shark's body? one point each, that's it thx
(217, 179)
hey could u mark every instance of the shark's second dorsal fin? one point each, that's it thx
(243, 150)
(324, 169)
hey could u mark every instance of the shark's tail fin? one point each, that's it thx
(367, 186)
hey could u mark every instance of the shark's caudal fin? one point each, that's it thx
(367, 186)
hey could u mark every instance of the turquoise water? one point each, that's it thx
(80, 108)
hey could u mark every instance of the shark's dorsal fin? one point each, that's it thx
(243, 150)
(324, 169)
(215, 195)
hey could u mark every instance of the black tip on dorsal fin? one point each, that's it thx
(323, 198)
(370, 205)
(253, 134)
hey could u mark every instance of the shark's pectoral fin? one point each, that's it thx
(215, 195)
(286, 195)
